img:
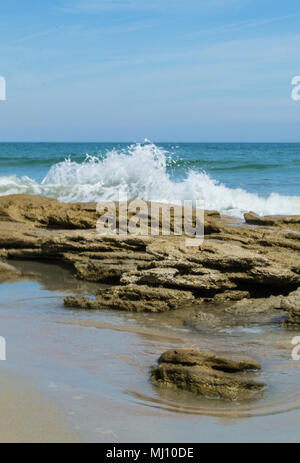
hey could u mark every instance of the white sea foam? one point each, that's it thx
(141, 173)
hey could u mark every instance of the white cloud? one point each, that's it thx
(94, 6)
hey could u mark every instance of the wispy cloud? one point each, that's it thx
(241, 25)
(37, 35)
(130, 65)
(138, 25)
(90, 7)
(95, 6)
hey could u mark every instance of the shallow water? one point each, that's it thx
(95, 365)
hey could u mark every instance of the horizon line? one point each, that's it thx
(154, 142)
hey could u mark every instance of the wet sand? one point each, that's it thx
(28, 417)
(94, 367)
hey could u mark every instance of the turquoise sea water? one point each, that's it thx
(233, 178)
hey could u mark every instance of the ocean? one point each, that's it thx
(232, 178)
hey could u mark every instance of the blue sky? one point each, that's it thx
(166, 70)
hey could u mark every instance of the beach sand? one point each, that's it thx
(27, 417)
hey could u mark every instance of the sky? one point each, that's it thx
(165, 70)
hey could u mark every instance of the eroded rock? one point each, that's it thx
(291, 304)
(235, 261)
(207, 374)
(269, 220)
(133, 298)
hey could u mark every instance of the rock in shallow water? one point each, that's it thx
(253, 306)
(133, 298)
(207, 374)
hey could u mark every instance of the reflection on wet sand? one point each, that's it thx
(125, 329)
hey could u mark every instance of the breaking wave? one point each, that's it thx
(142, 172)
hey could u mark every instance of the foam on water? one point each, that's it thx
(140, 172)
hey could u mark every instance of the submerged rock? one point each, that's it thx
(8, 272)
(201, 320)
(252, 306)
(206, 374)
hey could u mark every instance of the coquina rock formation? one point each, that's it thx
(207, 374)
(248, 268)
(236, 260)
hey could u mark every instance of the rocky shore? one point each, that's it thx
(250, 267)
